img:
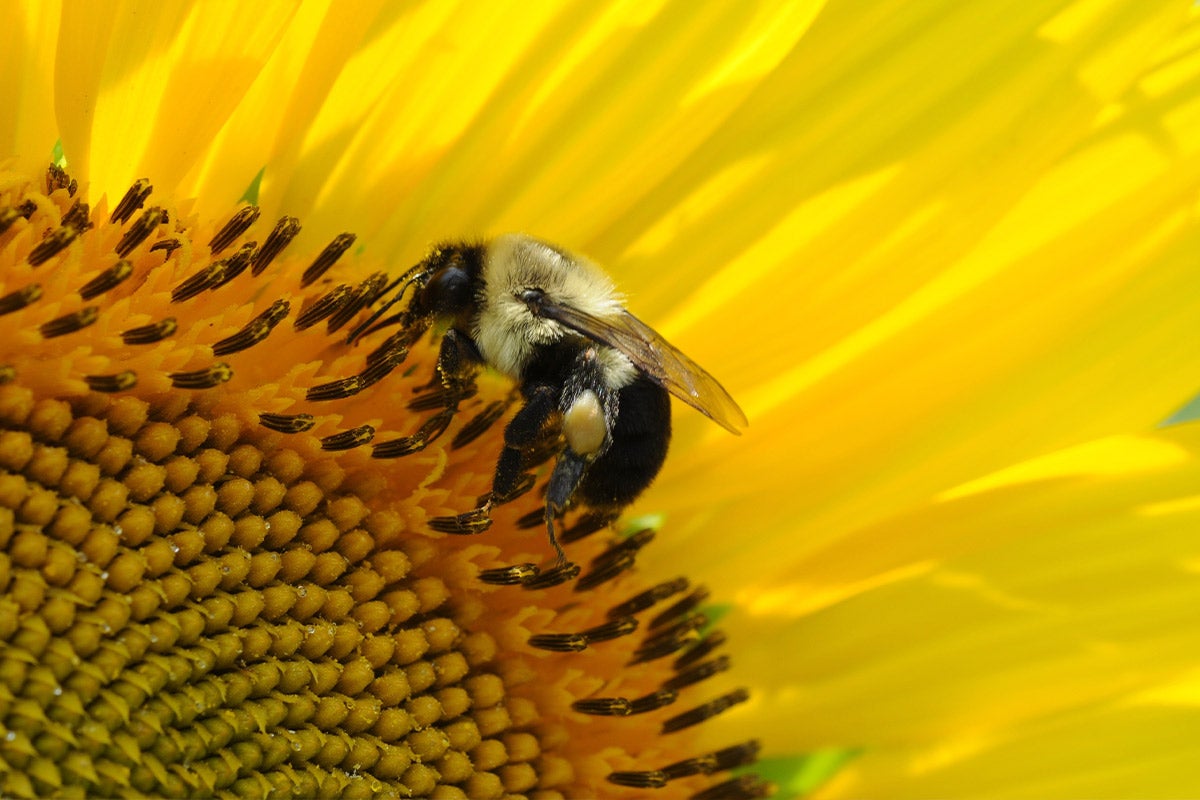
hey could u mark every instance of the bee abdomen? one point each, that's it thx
(640, 437)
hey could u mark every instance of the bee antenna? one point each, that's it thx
(417, 275)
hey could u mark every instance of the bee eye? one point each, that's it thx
(450, 290)
(533, 299)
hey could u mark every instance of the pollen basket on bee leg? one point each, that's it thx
(584, 425)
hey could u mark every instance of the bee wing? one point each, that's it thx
(658, 359)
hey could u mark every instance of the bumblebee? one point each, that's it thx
(555, 324)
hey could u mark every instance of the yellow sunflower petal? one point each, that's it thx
(1010, 273)
(27, 94)
(994, 614)
(142, 87)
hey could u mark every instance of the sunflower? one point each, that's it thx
(943, 254)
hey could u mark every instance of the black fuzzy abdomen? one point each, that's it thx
(639, 447)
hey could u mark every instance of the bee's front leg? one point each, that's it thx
(458, 360)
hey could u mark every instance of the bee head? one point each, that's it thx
(448, 279)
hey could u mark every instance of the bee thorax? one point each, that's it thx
(584, 425)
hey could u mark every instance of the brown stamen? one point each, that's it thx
(205, 378)
(256, 330)
(328, 257)
(149, 334)
(706, 711)
(345, 440)
(69, 323)
(140, 230)
(21, 298)
(135, 196)
(280, 237)
(54, 243)
(238, 224)
(106, 280)
(287, 423)
(326, 306)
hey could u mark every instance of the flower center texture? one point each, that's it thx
(218, 575)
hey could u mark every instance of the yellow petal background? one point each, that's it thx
(921, 242)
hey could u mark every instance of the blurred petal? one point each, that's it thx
(993, 614)
(141, 88)
(27, 93)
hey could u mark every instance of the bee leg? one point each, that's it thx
(522, 430)
(589, 410)
(457, 360)
(568, 472)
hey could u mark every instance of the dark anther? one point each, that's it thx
(118, 382)
(52, 245)
(468, 523)
(703, 648)
(108, 279)
(168, 245)
(324, 306)
(7, 217)
(670, 640)
(359, 299)
(640, 602)
(533, 519)
(149, 334)
(205, 378)
(150, 219)
(379, 368)
(238, 224)
(613, 629)
(697, 673)
(603, 707)
(559, 642)
(336, 390)
(394, 349)
(639, 780)
(699, 765)
(509, 576)
(69, 323)
(287, 423)
(348, 439)
(198, 282)
(704, 712)
(685, 606)
(605, 568)
(77, 217)
(26, 208)
(255, 331)
(438, 398)
(327, 258)
(586, 526)
(739, 755)
(134, 197)
(632, 543)
(285, 230)
(743, 787)
(478, 424)
(553, 577)
(236, 264)
(652, 702)
(57, 178)
(15, 301)
(432, 428)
